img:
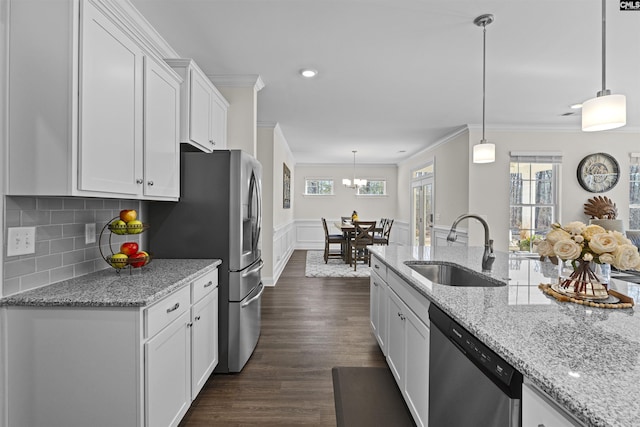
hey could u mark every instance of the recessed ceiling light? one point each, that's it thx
(308, 73)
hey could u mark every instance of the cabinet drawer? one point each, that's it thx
(166, 311)
(203, 285)
(379, 268)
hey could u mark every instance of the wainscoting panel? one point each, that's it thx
(283, 246)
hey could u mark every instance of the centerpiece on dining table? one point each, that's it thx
(589, 249)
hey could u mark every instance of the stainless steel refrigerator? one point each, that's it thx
(219, 216)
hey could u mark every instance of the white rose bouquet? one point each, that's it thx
(583, 244)
(577, 241)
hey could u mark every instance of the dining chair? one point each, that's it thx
(345, 219)
(363, 236)
(329, 239)
(386, 231)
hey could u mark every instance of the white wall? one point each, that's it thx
(344, 200)
(489, 183)
(451, 178)
(277, 222)
(241, 116)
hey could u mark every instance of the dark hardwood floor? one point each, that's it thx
(309, 325)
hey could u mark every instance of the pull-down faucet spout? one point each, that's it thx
(488, 256)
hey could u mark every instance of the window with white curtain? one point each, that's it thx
(533, 197)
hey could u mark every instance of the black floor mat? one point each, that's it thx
(366, 396)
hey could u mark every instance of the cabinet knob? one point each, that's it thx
(197, 318)
(189, 325)
(139, 181)
(150, 183)
(212, 142)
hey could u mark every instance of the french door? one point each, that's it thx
(422, 186)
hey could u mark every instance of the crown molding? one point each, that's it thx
(238, 80)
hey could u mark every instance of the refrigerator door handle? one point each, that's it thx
(254, 269)
(246, 303)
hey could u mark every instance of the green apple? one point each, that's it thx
(134, 227)
(118, 227)
(119, 260)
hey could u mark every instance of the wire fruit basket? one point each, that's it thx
(117, 259)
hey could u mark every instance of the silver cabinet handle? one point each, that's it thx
(376, 266)
(150, 183)
(208, 284)
(139, 181)
(212, 142)
(174, 308)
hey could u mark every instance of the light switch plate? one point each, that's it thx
(21, 241)
(90, 233)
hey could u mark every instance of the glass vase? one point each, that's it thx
(587, 279)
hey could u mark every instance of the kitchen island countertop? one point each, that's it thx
(106, 288)
(587, 359)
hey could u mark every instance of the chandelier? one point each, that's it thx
(355, 183)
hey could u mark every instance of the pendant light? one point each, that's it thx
(605, 111)
(484, 152)
(356, 182)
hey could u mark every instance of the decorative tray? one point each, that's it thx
(615, 300)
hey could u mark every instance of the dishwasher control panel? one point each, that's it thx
(480, 353)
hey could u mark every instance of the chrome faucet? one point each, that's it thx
(488, 256)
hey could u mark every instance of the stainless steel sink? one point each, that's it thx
(453, 275)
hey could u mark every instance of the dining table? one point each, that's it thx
(348, 229)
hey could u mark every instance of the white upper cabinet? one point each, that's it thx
(203, 121)
(101, 118)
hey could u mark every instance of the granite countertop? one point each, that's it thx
(106, 288)
(587, 359)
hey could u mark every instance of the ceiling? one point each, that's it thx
(396, 76)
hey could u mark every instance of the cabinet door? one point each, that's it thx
(378, 310)
(219, 124)
(396, 337)
(204, 342)
(161, 136)
(110, 124)
(200, 117)
(538, 410)
(416, 384)
(168, 374)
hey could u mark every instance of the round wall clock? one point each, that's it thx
(598, 172)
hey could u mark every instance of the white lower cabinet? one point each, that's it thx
(406, 333)
(111, 366)
(538, 410)
(378, 303)
(168, 374)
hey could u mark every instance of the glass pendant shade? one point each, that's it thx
(346, 182)
(485, 152)
(604, 113)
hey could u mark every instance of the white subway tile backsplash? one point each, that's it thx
(61, 252)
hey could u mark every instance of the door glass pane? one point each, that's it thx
(428, 214)
(417, 205)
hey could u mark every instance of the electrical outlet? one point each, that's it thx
(21, 241)
(90, 233)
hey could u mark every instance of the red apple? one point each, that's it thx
(128, 215)
(138, 260)
(129, 248)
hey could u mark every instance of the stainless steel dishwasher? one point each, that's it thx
(469, 385)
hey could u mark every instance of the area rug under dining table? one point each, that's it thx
(315, 267)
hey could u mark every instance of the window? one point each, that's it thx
(318, 187)
(373, 188)
(533, 198)
(634, 192)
